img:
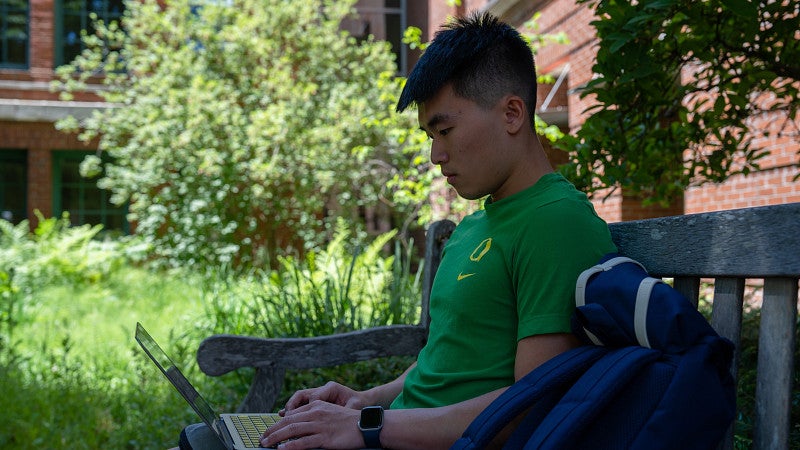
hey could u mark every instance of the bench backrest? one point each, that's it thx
(728, 248)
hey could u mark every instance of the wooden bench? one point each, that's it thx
(729, 247)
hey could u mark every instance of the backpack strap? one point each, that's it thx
(642, 297)
(555, 375)
(640, 309)
(600, 384)
(583, 278)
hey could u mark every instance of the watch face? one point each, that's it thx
(371, 417)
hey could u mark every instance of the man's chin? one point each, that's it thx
(470, 195)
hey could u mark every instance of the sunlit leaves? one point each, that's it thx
(244, 128)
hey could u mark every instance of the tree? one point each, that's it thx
(679, 85)
(240, 129)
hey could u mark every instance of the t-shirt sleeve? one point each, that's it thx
(565, 238)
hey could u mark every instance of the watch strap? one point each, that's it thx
(372, 438)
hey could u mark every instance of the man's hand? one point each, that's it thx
(316, 424)
(331, 392)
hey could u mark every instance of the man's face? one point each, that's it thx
(468, 144)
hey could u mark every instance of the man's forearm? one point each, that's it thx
(384, 394)
(433, 428)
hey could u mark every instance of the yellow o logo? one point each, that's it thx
(481, 250)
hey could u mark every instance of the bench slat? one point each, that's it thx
(222, 353)
(718, 244)
(775, 363)
(689, 287)
(726, 317)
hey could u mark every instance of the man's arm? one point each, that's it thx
(317, 423)
(440, 427)
(533, 351)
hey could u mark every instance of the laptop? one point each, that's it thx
(236, 431)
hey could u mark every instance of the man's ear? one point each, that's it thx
(515, 114)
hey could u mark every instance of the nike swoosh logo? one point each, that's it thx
(461, 276)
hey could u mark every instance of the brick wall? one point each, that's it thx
(774, 183)
(42, 29)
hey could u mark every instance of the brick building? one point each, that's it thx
(38, 164)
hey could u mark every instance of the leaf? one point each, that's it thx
(660, 4)
(743, 8)
(619, 40)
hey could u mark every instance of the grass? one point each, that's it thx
(97, 320)
(78, 380)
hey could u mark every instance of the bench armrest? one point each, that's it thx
(222, 353)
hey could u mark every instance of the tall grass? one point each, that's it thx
(341, 288)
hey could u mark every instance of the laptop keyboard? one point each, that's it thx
(251, 427)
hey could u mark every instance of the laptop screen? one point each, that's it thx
(175, 376)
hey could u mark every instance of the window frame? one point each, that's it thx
(15, 156)
(78, 215)
(59, 38)
(5, 10)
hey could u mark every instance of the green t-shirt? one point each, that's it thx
(507, 272)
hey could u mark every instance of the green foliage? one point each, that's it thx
(54, 253)
(344, 287)
(679, 85)
(69, 377)
(241, 130)
(60, 400)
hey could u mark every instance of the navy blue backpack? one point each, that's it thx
(652, 375)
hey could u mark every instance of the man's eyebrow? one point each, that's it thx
(435, 120)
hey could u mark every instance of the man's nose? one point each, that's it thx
(438, 154)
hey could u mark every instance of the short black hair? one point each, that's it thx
(484, 59)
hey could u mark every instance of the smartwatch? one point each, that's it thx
(370, 425)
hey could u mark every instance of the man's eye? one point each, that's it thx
(443, 132)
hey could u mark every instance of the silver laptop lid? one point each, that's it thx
(177, 378)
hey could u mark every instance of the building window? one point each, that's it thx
(13, 185)
(385, 20)
(72, 16)
(81, 198)
(14, 34)
(395, 23)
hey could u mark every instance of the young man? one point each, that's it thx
(504, 292)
